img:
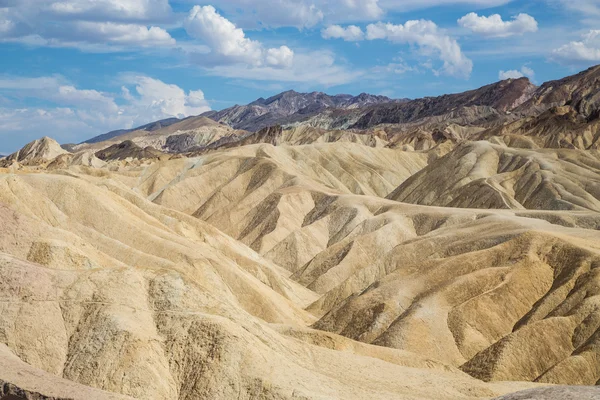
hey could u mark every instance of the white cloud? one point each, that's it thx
(430, 40)
(76, 114)
(57, 90)
(253, 14)
(22, 125)
(234, 55)
(125, 34)
(350, 33)
(589, 8)
(26, 84)
(112, 10)
(411, 5)
(365, 9)
(86, 25)
(528, 72)
(398, 68)
(586, 50)
(300, 13)
(156, 100)
(6, 26)
(494, 26)
(69, 95)
(314, 68)
(221, 35)
(274, 14)
(516, 74)
(281, 57)
(229, 43)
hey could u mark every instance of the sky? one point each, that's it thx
(73, 69)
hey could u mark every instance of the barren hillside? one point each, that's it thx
(436, 258)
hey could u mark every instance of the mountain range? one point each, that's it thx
(312, 247)
(488, 106)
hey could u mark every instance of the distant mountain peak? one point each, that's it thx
(40, 150)
(289, 106)
(491, 104)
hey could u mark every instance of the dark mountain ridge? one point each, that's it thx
(150, 127)
(289, 107)
(489, 106)
(503, 96)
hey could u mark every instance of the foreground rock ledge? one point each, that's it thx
(555, 393)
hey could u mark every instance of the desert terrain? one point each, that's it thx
(312, 247)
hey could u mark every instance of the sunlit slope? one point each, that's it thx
(485, 175)
(449, 283)
(104, 288)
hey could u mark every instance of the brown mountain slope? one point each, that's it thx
(580, 91)
(125, 150)
(559, 127)
(502, 96)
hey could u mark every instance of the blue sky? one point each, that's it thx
(72, 69)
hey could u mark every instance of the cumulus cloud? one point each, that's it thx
(430, 40)
(57, 90)
(315, 68)
(74, 114)
(586, 50)
(589, 8)
(300, 13)
(6, 26)
(275, 14)
(309, 13)
(114, 10)
(229, 43)
(398, 67)
(366, 9)
(516, 74)
(350, 33)
(280, 57)
(87, 25)
(126, 34)
(154, 100)
(410, 5)
(494, 26)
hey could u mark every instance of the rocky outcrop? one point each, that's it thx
(127, 149)
(581, 92)
(35, 153)
(555, 393)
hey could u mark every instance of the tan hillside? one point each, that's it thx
(348, 249)
(449, 250)
(176, 310)
(485, 175)
(37, 152)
